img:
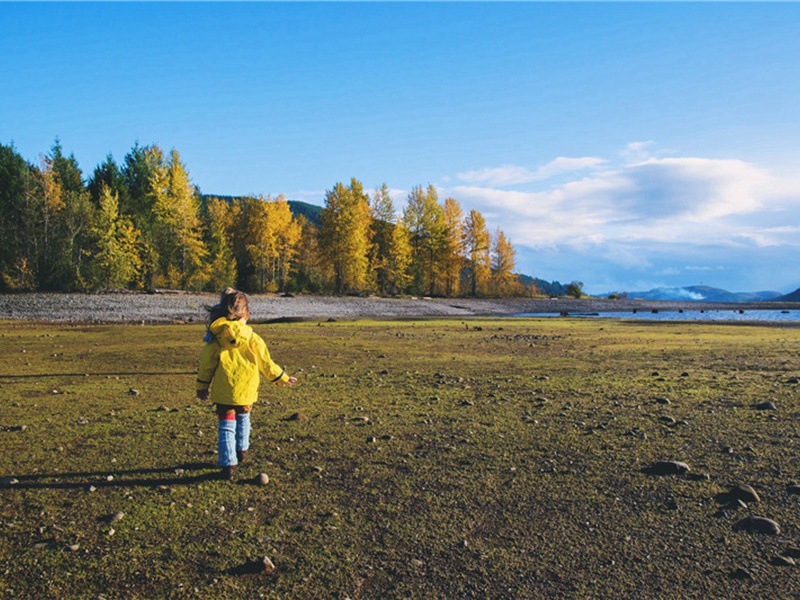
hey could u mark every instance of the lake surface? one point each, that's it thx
(772, 316)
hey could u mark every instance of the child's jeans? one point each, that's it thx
(234, 432)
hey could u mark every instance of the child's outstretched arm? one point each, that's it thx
(269, 369)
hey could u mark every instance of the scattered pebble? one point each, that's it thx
(741, 573)
(792, 551)
(758, 525)
(269, 566)
(669, 467)
(766, 406)
(745, 493)
(783, 561)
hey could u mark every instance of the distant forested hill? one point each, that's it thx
(310, 211)
(550, 288)
(793, 297)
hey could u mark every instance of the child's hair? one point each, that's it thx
(232, 305)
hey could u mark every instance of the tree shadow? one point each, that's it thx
(180, 475)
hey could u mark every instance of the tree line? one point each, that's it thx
(143, 225)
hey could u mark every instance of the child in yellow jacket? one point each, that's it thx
(231, 363)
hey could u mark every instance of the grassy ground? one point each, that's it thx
(432, 459)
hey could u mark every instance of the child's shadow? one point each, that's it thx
(186, 474)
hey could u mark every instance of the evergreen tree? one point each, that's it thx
(17, 221)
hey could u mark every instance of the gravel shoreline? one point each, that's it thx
(184, 307)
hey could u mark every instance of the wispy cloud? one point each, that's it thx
(515, 175)
(628, 213)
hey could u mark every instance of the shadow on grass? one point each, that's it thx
(85, 374)
(118, 479)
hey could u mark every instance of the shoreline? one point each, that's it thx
(174, 307)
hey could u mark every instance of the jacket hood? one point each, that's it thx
(230, 334)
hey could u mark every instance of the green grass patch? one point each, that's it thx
(491, 458)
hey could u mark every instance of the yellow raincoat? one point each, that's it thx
(233, 360)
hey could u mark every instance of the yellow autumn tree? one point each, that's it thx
(398, 262)
(177, 232)
(453, 252)
(504, 282)
(477, 242)
(222, 269)
(345, 237)
(116, 258)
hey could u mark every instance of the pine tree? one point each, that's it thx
(18, 219)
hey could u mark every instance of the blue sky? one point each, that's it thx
(626, 145)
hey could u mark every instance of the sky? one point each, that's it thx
(624, 145)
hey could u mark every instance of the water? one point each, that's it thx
(770, 316)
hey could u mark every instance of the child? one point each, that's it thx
(230, 364)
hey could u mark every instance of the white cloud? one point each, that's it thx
(515, 175)
(627, 214)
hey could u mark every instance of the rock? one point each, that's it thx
(741, 573)
(18, 428)
(74, 547)
(793, 488)
(667, 419)
(269, 566)
(133, 392)
(744, 492)
(117, 516)
(262, 479)
(758, 525)
(765, 406)
(793, 380)
(297, 417)
(9, 481)
(372, 439)
(783, 561)
(91, 488)
(669, 467)
(792, 551)
(699, 476)
(663, 401)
